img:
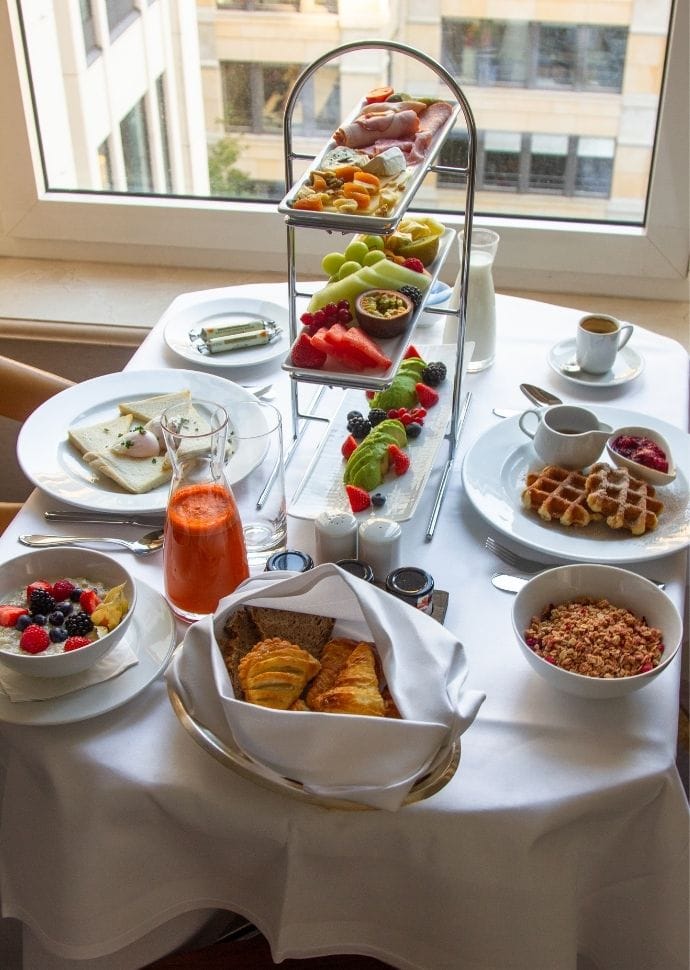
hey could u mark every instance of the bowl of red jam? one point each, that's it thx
(644, 452)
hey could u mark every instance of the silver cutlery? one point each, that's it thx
(148, 543)
(538, 396)
(513, 584)
(93, 518)
(513, 558)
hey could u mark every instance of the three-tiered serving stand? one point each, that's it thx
(296, 219)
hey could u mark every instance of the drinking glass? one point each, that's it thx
(204, 555)
(256, 471)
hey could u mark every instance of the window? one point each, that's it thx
(135, 150)
(163, 133)
(88, 28)
(105, 167)
(631, 215)
(119, 14)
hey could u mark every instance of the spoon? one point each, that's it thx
(149, 542)
(538, 396)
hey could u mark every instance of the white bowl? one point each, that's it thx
(621, 588)
(65, 563)
(650, 475)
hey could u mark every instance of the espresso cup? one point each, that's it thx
(598, 340)
(565, 434)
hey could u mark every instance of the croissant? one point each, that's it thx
(333, 658)
(275, 672)
(356, 689)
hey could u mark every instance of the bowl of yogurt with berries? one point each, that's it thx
(62, 610)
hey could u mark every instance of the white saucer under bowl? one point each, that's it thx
(627, 366)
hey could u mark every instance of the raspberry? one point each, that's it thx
(34, 639)
(426, 395)
(400, 460)
(359, 498)
(73, 643)
(62, 590)
(348, 446)
(416, 265)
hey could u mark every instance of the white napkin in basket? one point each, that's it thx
(363, 759)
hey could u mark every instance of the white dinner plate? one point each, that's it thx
(627, 366)
(213, 308)
(54, 465)
(152, 636)
(493, 475)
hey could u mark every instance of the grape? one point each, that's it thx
(356, 251)
(331, 263)
(373, 256)
(373, 242)
(351, 266)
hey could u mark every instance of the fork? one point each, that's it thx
(526, 565)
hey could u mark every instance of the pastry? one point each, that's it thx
(559, 493)
(624, 501)
(356, 689)
(333, 658)
(275, 672)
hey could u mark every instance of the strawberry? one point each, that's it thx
(412, 352)
(10, 614)
(370, 395)
(73, 643)
(359, 498)
(399, 460)
(416, 265)
(34, 639)
(426, 395)
(37, 584)
(89, 600)
(62, 590)
(304, 354)
(348, 446)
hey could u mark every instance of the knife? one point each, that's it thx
(95, 519)
(508, 583)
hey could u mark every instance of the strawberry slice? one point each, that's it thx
(74, 643)
(89, 600)
(348, 446)
(305, 354)
(398, 459)
(426, 395)
(359, 498)
(10, 614)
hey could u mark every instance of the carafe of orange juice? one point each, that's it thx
(204, 555)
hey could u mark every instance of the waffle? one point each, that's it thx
(625, 502)
(559, 493)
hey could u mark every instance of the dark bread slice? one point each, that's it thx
(309, 631)
(240, 633)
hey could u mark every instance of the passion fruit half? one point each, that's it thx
(383, 313)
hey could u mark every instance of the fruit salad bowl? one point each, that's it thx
(79, 643)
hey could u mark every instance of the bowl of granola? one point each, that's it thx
(595, 631)
(62, 610)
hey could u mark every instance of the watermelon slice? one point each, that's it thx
(361, 343)
(319, 342)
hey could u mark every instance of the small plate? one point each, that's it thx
(650, 475)
(627, 366)
(191, 311)
(152, 635)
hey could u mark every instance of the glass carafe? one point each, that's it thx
(481, 300)
(204, 554)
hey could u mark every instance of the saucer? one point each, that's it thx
(627, 366)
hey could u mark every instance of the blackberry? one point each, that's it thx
(434, 373)
(378, 500)
(376, 416)
(358, 427)
(41, 601)
(414, 293)
(78, 624)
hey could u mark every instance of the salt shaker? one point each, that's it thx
(380, 545)
(335, 535)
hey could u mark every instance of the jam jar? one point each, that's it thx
(413, 585)
(290, 559)
(358, 568)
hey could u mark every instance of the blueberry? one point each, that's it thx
(75, 595)
(65, 607)
(23, 621)
(354, 414)
(56, 618)
(39, 619)
(413, 429)
(58, 634)
(378, 500)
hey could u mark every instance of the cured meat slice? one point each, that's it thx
(366, 129)
(433, 118)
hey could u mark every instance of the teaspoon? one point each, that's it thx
(149, 542)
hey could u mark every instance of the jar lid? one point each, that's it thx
(356, 567)
(410, 581)
(290, 559)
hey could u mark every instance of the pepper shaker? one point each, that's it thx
(380, 545)
(335, 536)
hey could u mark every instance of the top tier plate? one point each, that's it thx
(364, 221)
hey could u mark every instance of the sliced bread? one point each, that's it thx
(240, 634)
(102, 436)
(148, 408)
(136, 475)
(307, 630)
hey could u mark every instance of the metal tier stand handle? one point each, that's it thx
(458, 409)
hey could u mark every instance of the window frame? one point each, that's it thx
(648, 261)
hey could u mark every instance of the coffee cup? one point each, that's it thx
(598, 340)
(566, 435)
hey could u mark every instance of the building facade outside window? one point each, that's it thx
(135, 149)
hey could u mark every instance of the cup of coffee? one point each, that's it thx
(565, 434)
(598, 340)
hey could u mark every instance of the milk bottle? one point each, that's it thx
(481, 301)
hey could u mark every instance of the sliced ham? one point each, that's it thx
(417, 106)
(366, 129)
(433, 118)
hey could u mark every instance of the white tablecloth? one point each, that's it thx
(564, 830)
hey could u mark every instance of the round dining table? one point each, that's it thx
(560, 840)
